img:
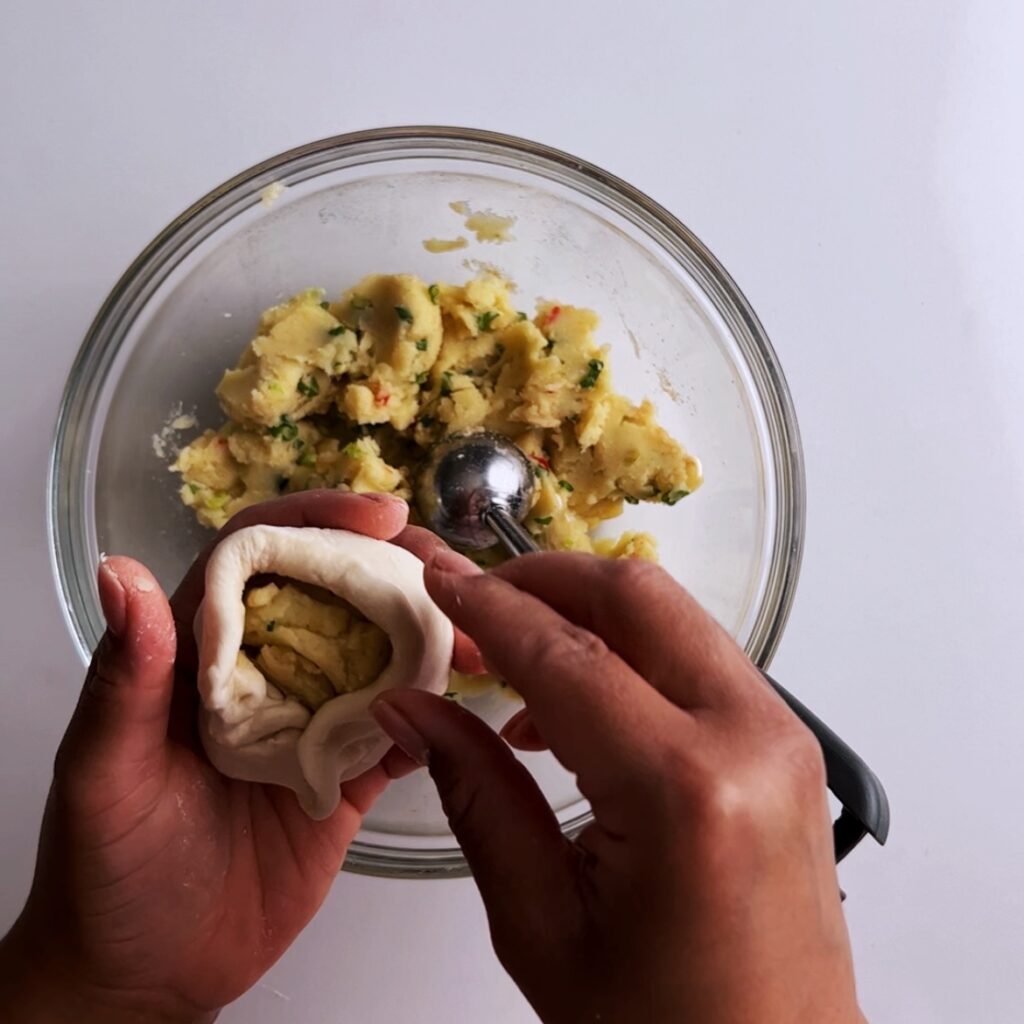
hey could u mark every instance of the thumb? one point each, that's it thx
(523, 865)
(122, 713)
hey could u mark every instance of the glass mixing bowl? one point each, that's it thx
(679, 329)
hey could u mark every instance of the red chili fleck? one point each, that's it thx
(222, 441)
(553, 315)
(381, 399)
(542, 461)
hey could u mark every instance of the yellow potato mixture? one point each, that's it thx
(311, 644)
(351, 394)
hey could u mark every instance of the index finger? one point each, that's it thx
(601, 719)
(648, 619)
(425, 545)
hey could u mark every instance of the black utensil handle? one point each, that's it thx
(865, 805)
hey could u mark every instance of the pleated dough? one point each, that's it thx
(252, 731)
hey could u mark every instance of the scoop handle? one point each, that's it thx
(865, 805)
(511, 533)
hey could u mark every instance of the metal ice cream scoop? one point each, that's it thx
(475, 490)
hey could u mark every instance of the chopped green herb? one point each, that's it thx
(672, 497)
(194, 488)
(433, 291)
(361, 302)
(275, 386)
(446, 382)
(325, 304)
(352, 450)
(271, 625)
(427, 421)
(308, 387)
(543, 520)
(537, 471)
(285, 430)
(403, 314)
(308, 458)
(335, 331)
(421, 345)
(630, 500)
(421, 378)
(566, 486)
(594, 368)
(217, 500)
(520, 315)
(299, 443)
(485, 321)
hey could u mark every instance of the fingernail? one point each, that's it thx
(446, 560)
(514, 728)
(401, 731)
(113, 599)
(521, 732)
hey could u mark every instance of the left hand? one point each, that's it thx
(164, 890)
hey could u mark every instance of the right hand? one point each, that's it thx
(705, 889)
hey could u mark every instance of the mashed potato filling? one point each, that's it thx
(352, 393)
(310, 643)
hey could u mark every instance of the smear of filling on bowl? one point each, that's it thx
(439, 245)
(487, 225)
(352, 393)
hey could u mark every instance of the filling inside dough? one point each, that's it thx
(263, 635)
(311, 644)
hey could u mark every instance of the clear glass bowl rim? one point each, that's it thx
(217, 207)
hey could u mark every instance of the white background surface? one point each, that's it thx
(858, 169)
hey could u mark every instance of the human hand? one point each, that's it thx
(164, 890)
(705, 889)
